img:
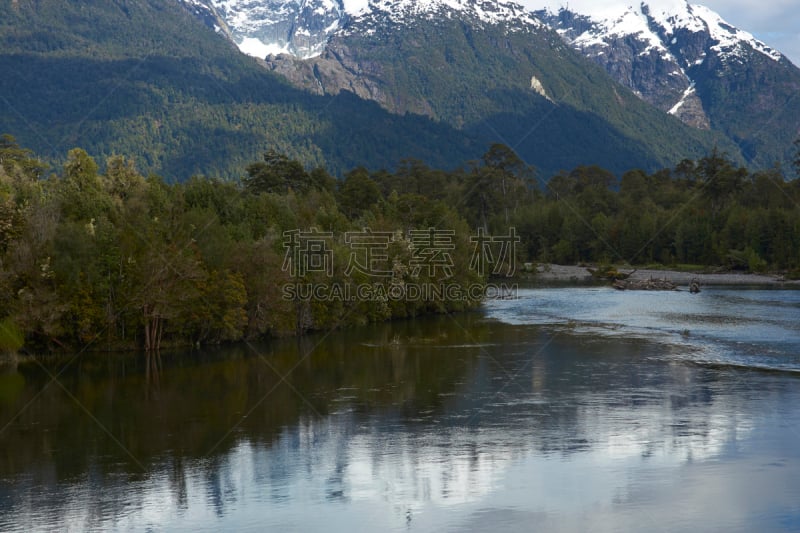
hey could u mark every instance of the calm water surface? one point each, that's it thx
(570, 409)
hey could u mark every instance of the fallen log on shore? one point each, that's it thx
(651, 284)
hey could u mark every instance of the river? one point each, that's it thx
(564, 409)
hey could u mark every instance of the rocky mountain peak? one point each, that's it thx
(302, 28)
(658, 49)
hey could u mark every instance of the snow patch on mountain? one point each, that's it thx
(672, 14)
(492, 11)
(254, 47)
(632, 22)
(677, 107)
(356, 7)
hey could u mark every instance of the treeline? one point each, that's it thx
(115, 259)
(112, 258)
(707, 212)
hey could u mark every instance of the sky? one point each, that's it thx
(775, 22)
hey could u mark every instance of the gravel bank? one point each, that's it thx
(562, 273)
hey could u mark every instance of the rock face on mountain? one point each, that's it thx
(336, 69)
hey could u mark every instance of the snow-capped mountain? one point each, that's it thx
(302, 28)
(686, 60)
(488, 68)
(682, 58)
(659, 48)
(660, 22)
(654, 48)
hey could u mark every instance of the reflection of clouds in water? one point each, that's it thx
(399, 472)
(352, 472)
(659, 433)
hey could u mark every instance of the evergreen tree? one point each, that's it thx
(357, 192)
(278, 174)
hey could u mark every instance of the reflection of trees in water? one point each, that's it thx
(152, 374)
(185, 403)
(178, 482)
(401, 408)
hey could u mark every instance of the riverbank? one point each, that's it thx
(566, 273)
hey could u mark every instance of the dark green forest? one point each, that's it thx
(106, 258)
